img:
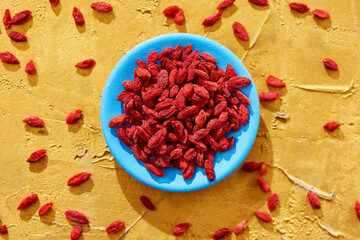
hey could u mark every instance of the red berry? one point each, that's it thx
(30, 67)
(321, 14)
(332, 126)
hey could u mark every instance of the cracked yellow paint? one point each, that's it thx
(288, 45)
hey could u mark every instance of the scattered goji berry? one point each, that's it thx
(250, 167)
(321, 14)
(3, 229)
(263, 185)
(147, 203)
(330, 64)
(78, 179)
(8, 58)
(300, 7)
(78, 17)
(75, 233)
(221, 233)
(17, 36)
(260, 2)
(21, 17)
(89, 63)
(34, 121)
(262, 169)
(30, 67)
(7, 19)
(211, 20)
(269, 96)
(241, 227)
(101, 6)
(54, 2)
(176, 13)
(272, 202)
(29, 200)
(263, 216)
(76, 216)
(357, 208)
(73, 116)
(181, 228)
(275, 82)
(36, 156)
(332, 126)
(115, 227)
(45, 208)
(240, 31)
(224, 4)
(314, 200)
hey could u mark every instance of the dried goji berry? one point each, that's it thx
(241, 227)
(330, 64)
(224, 4)
(152, 57)
(155, 170)
(36, 156)
(262, 169)
(357, 208)
(189, 171)
(272, 202)
(118, 120)
(3, 229)
(78, 179)
(76, 216)
(29, 200)
(7, 19)
(78, 17)
(181, 228)
(332, 126)
(243, 99)
(221, 233)
(73, 116)
(8, 58)
(263, 185)
(75, 233)
(115, 227)
(275, 82)
(21, 17)
(321, 14)
(269, 96)
(260, 2)
(45, 208)
(34, 121)
(30, 67)
(211, 20)
(243, 114)
(209, 170)
(89, 63)
(102, 6)
(300, 7)
(176, 13)
(263, 216)
(54, 2)
(314, 200)
(190, 154)
(17, 36)
(240, 31)
(165, 53)
(147, 203)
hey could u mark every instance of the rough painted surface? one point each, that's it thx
(293, 143)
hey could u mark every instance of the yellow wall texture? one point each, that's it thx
(283, 43)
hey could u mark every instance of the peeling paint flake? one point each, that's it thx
(330, 230)
(328, 89)
(307, 186)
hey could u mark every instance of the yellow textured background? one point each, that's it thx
(287, 44)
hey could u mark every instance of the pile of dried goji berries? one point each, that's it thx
(178, 112)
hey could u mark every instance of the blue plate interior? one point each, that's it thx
(225, 163)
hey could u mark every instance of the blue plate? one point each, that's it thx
(225, 163)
